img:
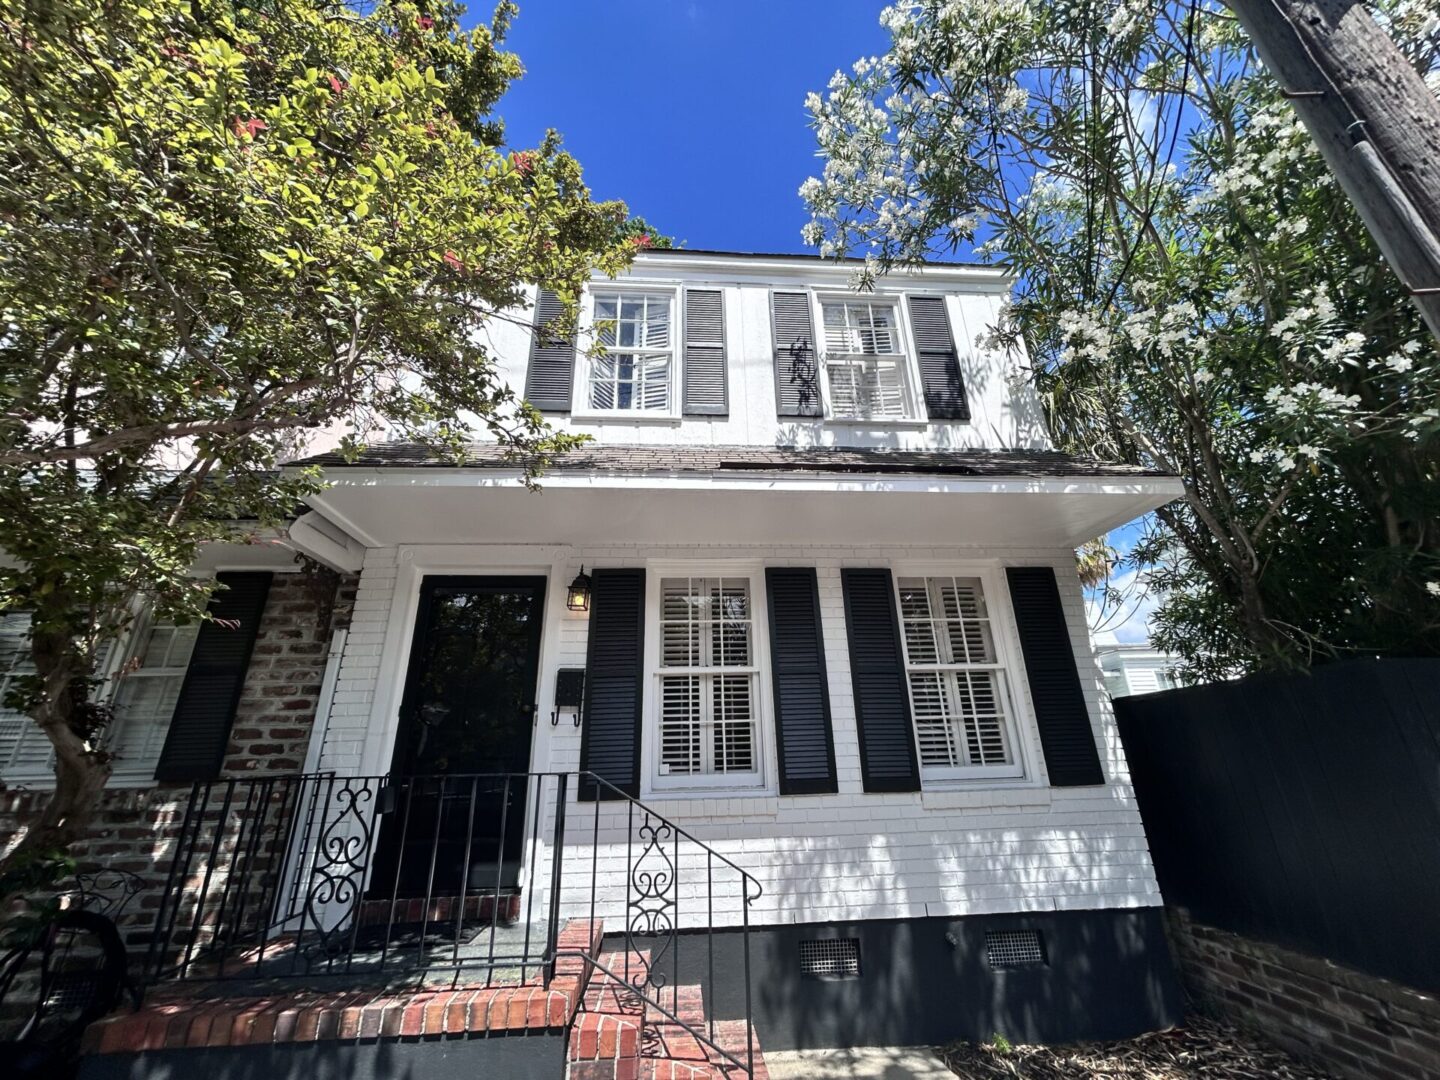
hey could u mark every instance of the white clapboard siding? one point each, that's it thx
(965, 848)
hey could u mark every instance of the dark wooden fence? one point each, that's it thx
(1301, 810)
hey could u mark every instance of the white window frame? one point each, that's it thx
(762, 780)
(906, 360)
(142, 769)
(110, 673)
(581, 408)
(8, 773)
(1011, 677)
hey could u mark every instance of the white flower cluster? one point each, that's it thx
(1281, 458)
(1129, 17)
(1274, 140)
(1402, 360)
(1312, 398)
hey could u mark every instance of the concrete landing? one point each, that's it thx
(861, 1063)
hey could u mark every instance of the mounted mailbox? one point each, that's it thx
(569, 693)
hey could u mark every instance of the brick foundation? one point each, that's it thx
(135, 829)
(1346, 1022)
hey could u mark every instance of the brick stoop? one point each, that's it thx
(309, 1016)
(617, 1036)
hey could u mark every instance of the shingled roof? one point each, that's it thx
(666, 460)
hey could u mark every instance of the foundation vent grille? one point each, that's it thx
(1014, 948)
(830, 958)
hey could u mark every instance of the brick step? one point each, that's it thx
(606, 995)
(622, 1036)
(193, 1016)
(687, 1003)
(676, 1053)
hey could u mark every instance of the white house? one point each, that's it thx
(1136, 668)
(832, 634)
(835, 628)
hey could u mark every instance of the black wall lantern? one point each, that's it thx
(578, 596)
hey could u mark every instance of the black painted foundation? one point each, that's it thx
(1108, 975)
(517, 1057)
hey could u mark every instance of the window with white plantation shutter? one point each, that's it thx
(707, 681)
(145, 697)
(636, 372)
(958, 695)
(25, 753)
(24, 750)
(864, 361)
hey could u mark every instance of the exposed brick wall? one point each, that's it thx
(1351, 1024)
(282, 688)
(135, 829)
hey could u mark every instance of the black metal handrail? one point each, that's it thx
(322, 876)
(652, 898)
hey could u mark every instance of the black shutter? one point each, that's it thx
(614, 682)
(939, 362)
(797, 380)
(551, 370)
(205, 710)
(1060, 712)
(877, 668)
(797, 670)
(705, 390)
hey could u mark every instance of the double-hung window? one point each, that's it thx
(24, 749)
(964, 723)
(865, 362)
(708, 679)
(143, 695)
(636, 373)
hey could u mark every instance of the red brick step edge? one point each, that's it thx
(310, 1016)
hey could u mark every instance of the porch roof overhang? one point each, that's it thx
(898, 500)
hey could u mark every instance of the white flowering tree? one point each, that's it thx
(1194, 293)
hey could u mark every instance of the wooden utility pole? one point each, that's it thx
(1372, 116)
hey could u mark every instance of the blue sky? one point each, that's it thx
(692, 111)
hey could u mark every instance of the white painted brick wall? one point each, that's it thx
(852, 855)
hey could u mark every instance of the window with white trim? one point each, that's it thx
(24, 749)
(865, 363)
(145, 697)
(144, 702)
(964, 725)
(637, 371)
(708, 682)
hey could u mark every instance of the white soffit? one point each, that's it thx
(381, 507)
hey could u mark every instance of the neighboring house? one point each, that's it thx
(832, 635)
(1136, 669)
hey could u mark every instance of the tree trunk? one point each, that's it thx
(1240, 584)
(63, 713)
(1277, 649)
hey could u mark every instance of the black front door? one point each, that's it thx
(450, 816)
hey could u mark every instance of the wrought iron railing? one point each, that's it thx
(445, 880)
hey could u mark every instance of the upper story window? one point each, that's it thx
(865, 362)
(637, 372)
(708, 679)
(964, 725)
